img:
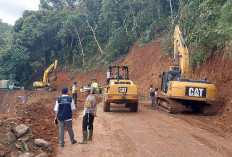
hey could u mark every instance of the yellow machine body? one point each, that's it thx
(120, 89)
(116, 93)
(177, 90)
(45, 82)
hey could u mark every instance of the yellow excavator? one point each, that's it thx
(179, 93)
(45, 82)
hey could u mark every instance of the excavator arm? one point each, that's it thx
(45, 78)
(181, 54)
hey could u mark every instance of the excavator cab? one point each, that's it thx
(167, 77)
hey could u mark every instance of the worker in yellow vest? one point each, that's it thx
(73, 88)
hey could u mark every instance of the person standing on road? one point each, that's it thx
(64, 109)
(152, 94)
(73, 88)
(90, 110)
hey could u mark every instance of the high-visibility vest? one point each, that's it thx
(74, 89)
(88, 104)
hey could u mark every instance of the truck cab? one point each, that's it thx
(14, 85)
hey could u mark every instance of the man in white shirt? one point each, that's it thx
(64, 109)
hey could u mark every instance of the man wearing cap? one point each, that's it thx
(73, 88)
(90, 109)
(64, 109)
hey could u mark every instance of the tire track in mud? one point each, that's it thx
(210, 142)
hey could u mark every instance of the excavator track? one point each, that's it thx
(170, 105)
(209, 110)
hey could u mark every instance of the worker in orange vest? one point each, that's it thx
(152, 94)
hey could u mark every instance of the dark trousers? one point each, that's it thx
(87, 122)
(107, 81)
(153, 101)
(74, 95)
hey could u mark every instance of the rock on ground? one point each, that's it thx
(10, 136)
(42, 155)
(41, 143)
(21, 130)
(26, 155)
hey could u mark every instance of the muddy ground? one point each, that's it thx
(149, 133)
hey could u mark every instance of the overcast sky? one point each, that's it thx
(11, 10)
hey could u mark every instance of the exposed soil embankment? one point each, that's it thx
(10, 98)
(145, 64)
(37, 113)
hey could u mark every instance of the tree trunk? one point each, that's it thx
(158, 7)
(124, 23)
(135, 23)
(170, 2)
(94, 34)
(80, 43)
(72, 41)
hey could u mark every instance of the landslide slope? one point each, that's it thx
(145, 64)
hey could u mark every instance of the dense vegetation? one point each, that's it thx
(5, 35)
(86, 33)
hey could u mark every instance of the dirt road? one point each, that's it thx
(146, 133)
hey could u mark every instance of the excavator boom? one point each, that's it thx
(181, 54)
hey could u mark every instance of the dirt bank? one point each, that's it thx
(10, 98)
(145, 64)
(37, 113)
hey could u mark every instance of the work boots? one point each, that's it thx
(90, 135)
(84, 141)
